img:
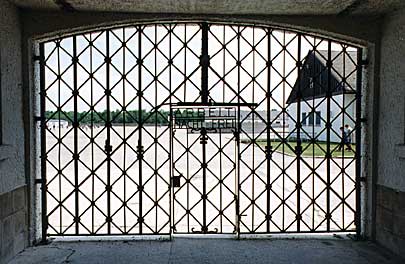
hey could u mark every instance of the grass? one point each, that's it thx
(309, 149)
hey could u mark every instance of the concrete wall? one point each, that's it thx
(390, 209)
(13, 188)
(42, 24)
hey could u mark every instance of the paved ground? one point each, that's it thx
(187, 250)
(282, 201)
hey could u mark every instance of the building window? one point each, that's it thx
(304, 121)
(318, 118)
(311, 119)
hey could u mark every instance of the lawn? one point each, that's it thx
(316, 150)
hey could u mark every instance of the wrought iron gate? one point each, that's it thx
(204, 169)
(115, 159)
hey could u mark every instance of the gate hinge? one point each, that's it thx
(363, 120)
(38, 118)
(38, 181)
(37, 58)
(364, 62)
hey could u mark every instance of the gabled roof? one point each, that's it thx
(315, 71)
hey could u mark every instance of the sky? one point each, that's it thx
(185, 60)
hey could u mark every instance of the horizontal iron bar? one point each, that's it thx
(214, 104)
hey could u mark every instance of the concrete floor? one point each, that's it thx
(204, 250)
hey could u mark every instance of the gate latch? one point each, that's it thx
(176, 181)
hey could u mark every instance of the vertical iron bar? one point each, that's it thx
(171, 193)
(92, 135)
(239, 155)
(253, 112)
(59, 145)
(221, 179)
(171, 169)
(343, 150)
(204, 176)
(75, 136)
(108, 124)
(298, 126)
(43, 143)
(124, 207)
(311, 73)
(358, 140)
(269, 148)
(328, 128)
(283, 135)
(140, 127)
(187, 137)
(156, 136)
(204, 63)
(220, 135)
(204, 99)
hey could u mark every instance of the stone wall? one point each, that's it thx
(390, 202)
(13, 188)
(391, 159)
(391, 219)
(13, 223)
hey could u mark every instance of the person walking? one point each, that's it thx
(343, 138)
(348, 132)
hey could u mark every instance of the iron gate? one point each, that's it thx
(204, 169)
(114, 162)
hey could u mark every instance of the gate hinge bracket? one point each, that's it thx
(38, 181)
(38, 118)
(37, 58)
(364, 62)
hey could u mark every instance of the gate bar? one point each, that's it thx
(204, 62)
(359, 72)
(299, 146)
(75, 136)
(108, 141)
(328, 128)
(140, 125)
(268, 132)
(237, 197)
(43, 144)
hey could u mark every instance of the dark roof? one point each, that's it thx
(314, 67)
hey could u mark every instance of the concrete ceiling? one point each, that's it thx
(238, 7)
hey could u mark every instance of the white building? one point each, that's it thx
(56, 123)
(310, 90)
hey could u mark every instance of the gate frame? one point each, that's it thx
(359, 118)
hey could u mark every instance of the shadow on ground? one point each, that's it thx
(195, 250)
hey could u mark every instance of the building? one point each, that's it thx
(55, 123)
(312, 85)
